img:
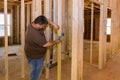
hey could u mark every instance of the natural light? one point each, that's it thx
(108, 26)
(2, 24)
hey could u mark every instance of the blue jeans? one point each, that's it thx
(36, 68)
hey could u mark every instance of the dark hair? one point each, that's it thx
(41, 20)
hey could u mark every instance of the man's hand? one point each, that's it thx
(55, 26)
(48, 44)
(51, 43)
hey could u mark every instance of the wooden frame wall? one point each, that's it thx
(77, 36)
(102, 34)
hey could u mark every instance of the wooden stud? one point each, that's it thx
(36, 8)
(75, 22)
(6, 40)
(80, 39)
(18, 24)
(112, 24)
(47, 63)
(109, 4)
(31, 13)
(28, 14)
(55, 18)
(22, 38)
(118, 11)
(70, 27)
(47, 34)
(115, 31)
(112, 28)
(102, 36)
(11, 27)
(91, 41)
(55, 8)
(105, 24)
(63, 50)
(77, 40)
(33, 10)
(59, 45)
(115, 27)
(66, 31)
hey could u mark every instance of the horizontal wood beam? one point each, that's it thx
(28, 2)
(96, 1)
(10, 3)
(2, 6)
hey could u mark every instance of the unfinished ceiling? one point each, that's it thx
(12, 2)
(17, 2)
(87, 4)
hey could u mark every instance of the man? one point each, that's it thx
(36, 45)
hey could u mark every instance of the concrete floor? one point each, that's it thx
(110, 72)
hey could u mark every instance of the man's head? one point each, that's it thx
(40, 21)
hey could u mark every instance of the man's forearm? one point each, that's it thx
(54, 25)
